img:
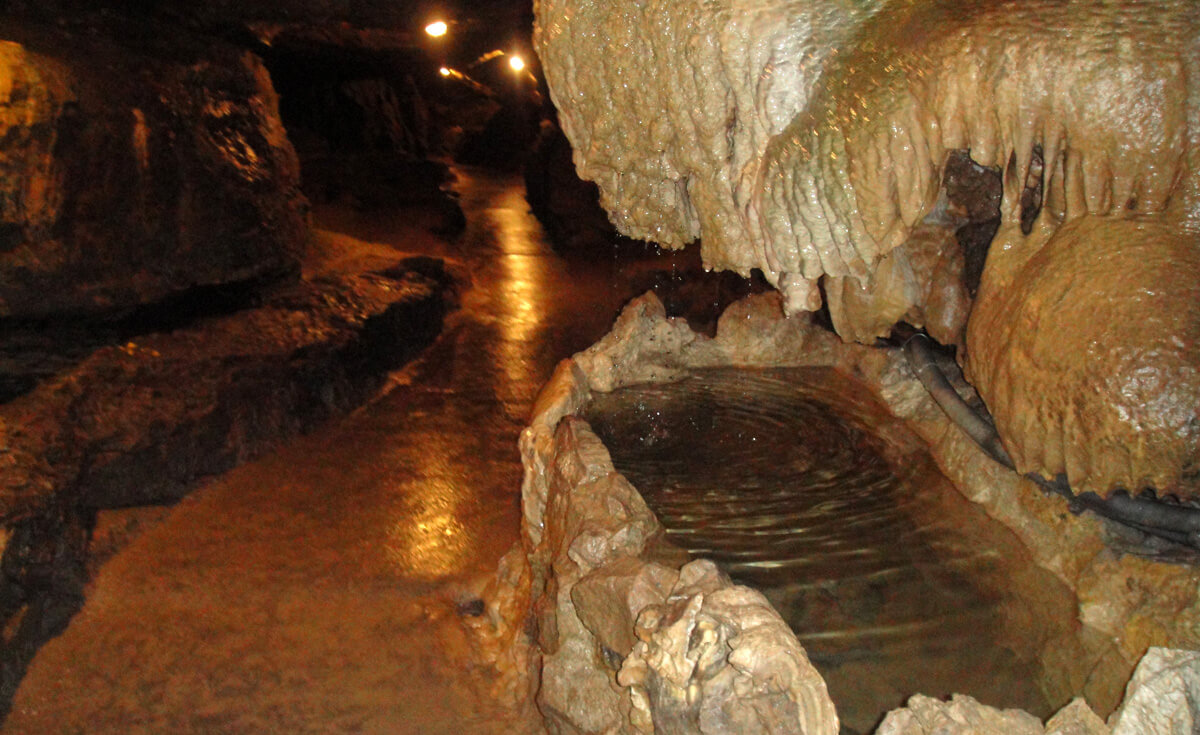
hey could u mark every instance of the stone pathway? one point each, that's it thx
(323, 588)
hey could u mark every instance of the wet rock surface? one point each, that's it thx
(629, 642)
(140, 423)
(135, 423)
(333, 585)
(820, 157)
(1125, 604)
(1160, 700)
(1091, 366)
(811, 493)
(141, 162)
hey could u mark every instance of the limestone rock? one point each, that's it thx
(595, 523)
(563, 395)
(762, 131)
(962, 715)
(642, 347)
(609, 599)
(1163, 697)
(682, 676)
(136, 423)
(1076, 719)
(694, 653)
(920, 282)
(753, 332)
(1161, 700)
(578, 693)
(1091, 367)
(593, 517)
(133, 175)
(786, 147)
(716, 658)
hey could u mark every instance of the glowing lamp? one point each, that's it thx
(516, 62)
(437, 28)
(444, 71)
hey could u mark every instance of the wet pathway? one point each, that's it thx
(315, 590)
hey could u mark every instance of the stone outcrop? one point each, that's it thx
(716, 658)
(612, 604)
(1110, 306)
(807, 138)
(924, 716)
(1161, 699)
(810, 140)
(628, 640)
(138, 169)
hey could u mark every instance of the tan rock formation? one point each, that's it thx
(1126, 604)
(1088, 355)
(861, 104)
(808, 140)
(630, 642)
(1160, 700)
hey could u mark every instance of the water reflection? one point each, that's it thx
(432, 542)
(894, 584)
(457, 417)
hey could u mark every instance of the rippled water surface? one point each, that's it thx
(800, 485)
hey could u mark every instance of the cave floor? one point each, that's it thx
(327, 587)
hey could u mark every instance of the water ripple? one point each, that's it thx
(783, 478)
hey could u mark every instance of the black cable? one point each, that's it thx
(1147, 514)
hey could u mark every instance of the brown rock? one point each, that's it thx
(1076, 719)
(134, 175)
(962, 715)
(1091, 367)
(609, 599)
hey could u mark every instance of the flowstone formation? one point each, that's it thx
(810, 140)
(1017, 178)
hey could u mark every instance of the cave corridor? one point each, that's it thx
(336, 398)
(320, 588)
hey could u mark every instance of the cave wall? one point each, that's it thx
(808, 138)
(813, 141)
(851, 152)
(138, 169)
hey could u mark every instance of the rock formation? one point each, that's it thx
(809, 140)
(631, 640)
(136, 171)
(155, 323)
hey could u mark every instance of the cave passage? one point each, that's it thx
(796, 482)
(319, 588)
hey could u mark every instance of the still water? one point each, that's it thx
(799, 484)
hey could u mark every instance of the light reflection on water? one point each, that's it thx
(893, 583)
